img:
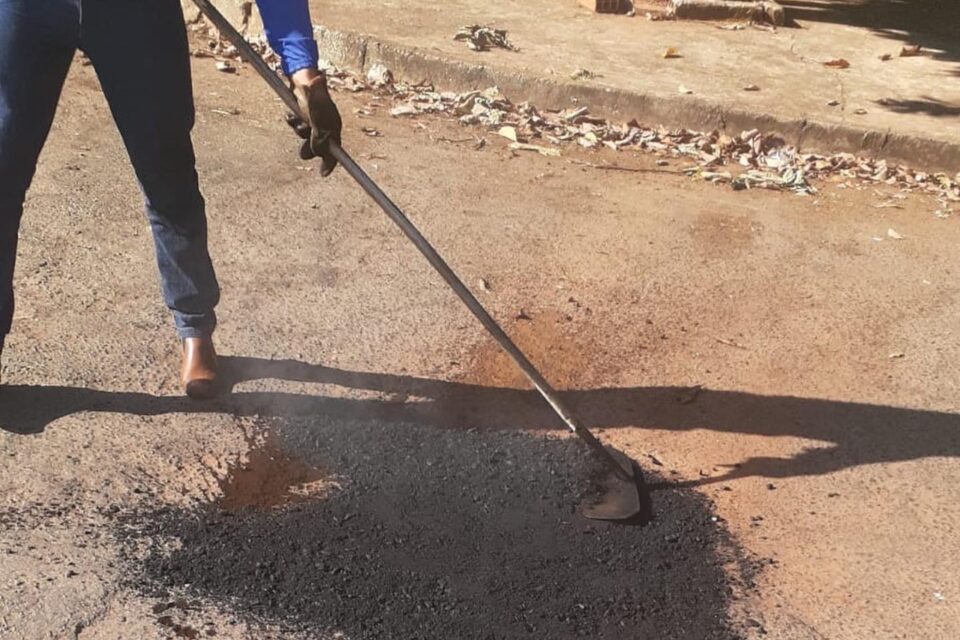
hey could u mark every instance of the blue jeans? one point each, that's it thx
(139, 51)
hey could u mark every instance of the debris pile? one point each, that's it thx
(766, 160)
(764, 11)
(481, 38)
(225, 54)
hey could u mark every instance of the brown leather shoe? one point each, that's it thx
(199, 375)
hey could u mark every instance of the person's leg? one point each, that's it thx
(37, 42)
(139, 51)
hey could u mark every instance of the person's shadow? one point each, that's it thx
(852, 434)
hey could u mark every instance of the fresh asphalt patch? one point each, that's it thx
(432, 533)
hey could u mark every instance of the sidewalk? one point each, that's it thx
(906, 109)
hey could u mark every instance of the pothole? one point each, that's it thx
(440, 533)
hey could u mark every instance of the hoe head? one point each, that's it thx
(623, 496)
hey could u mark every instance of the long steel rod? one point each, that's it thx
(421, 243)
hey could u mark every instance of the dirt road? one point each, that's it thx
(786, 366)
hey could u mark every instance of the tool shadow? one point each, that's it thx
(852, 434)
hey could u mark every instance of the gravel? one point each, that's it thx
(448, 534)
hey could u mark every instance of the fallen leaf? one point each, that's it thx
(671, 53)
(404, 110)
(833, 103)
(751, 87)
(225, 67)
(583, 74)
(860, 112)
(891, 233)
(482, 38)
(897, 355)
(484, 284)
(837, 63)
(510, 133)
(731, 343)
(682, 89)
(370, 131)
(544, 151)
(911, 50)
(379, 75)
(690, 394)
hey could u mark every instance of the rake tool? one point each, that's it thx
(624, 496)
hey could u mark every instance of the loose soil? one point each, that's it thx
(437, 533)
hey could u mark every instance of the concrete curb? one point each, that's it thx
(357, 52)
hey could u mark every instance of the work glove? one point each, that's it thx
(324, 123)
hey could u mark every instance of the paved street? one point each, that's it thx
(785, 359)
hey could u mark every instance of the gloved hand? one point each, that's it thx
(324, 122)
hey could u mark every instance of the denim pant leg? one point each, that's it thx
(139, 51)
(37, 42)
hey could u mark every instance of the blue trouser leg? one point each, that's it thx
(139, 51)
(37, 41)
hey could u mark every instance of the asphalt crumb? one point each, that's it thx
(437, 533)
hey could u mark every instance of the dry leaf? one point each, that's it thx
(751, 87)
(682, 89)
(893, 234)
(404, 110)
(482, 38)
(837, 63)
(833, 103)
(911, 50)
(544, 151)
(671, 52)
(379, 75)
(690, 394)
(584, 74)
(510, 133)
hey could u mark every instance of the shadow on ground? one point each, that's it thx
(926, 105)
(911, 20)
(852, 434)
(932, 24)
(440, 533)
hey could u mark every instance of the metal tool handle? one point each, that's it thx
(421, 243)
(481, 314)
